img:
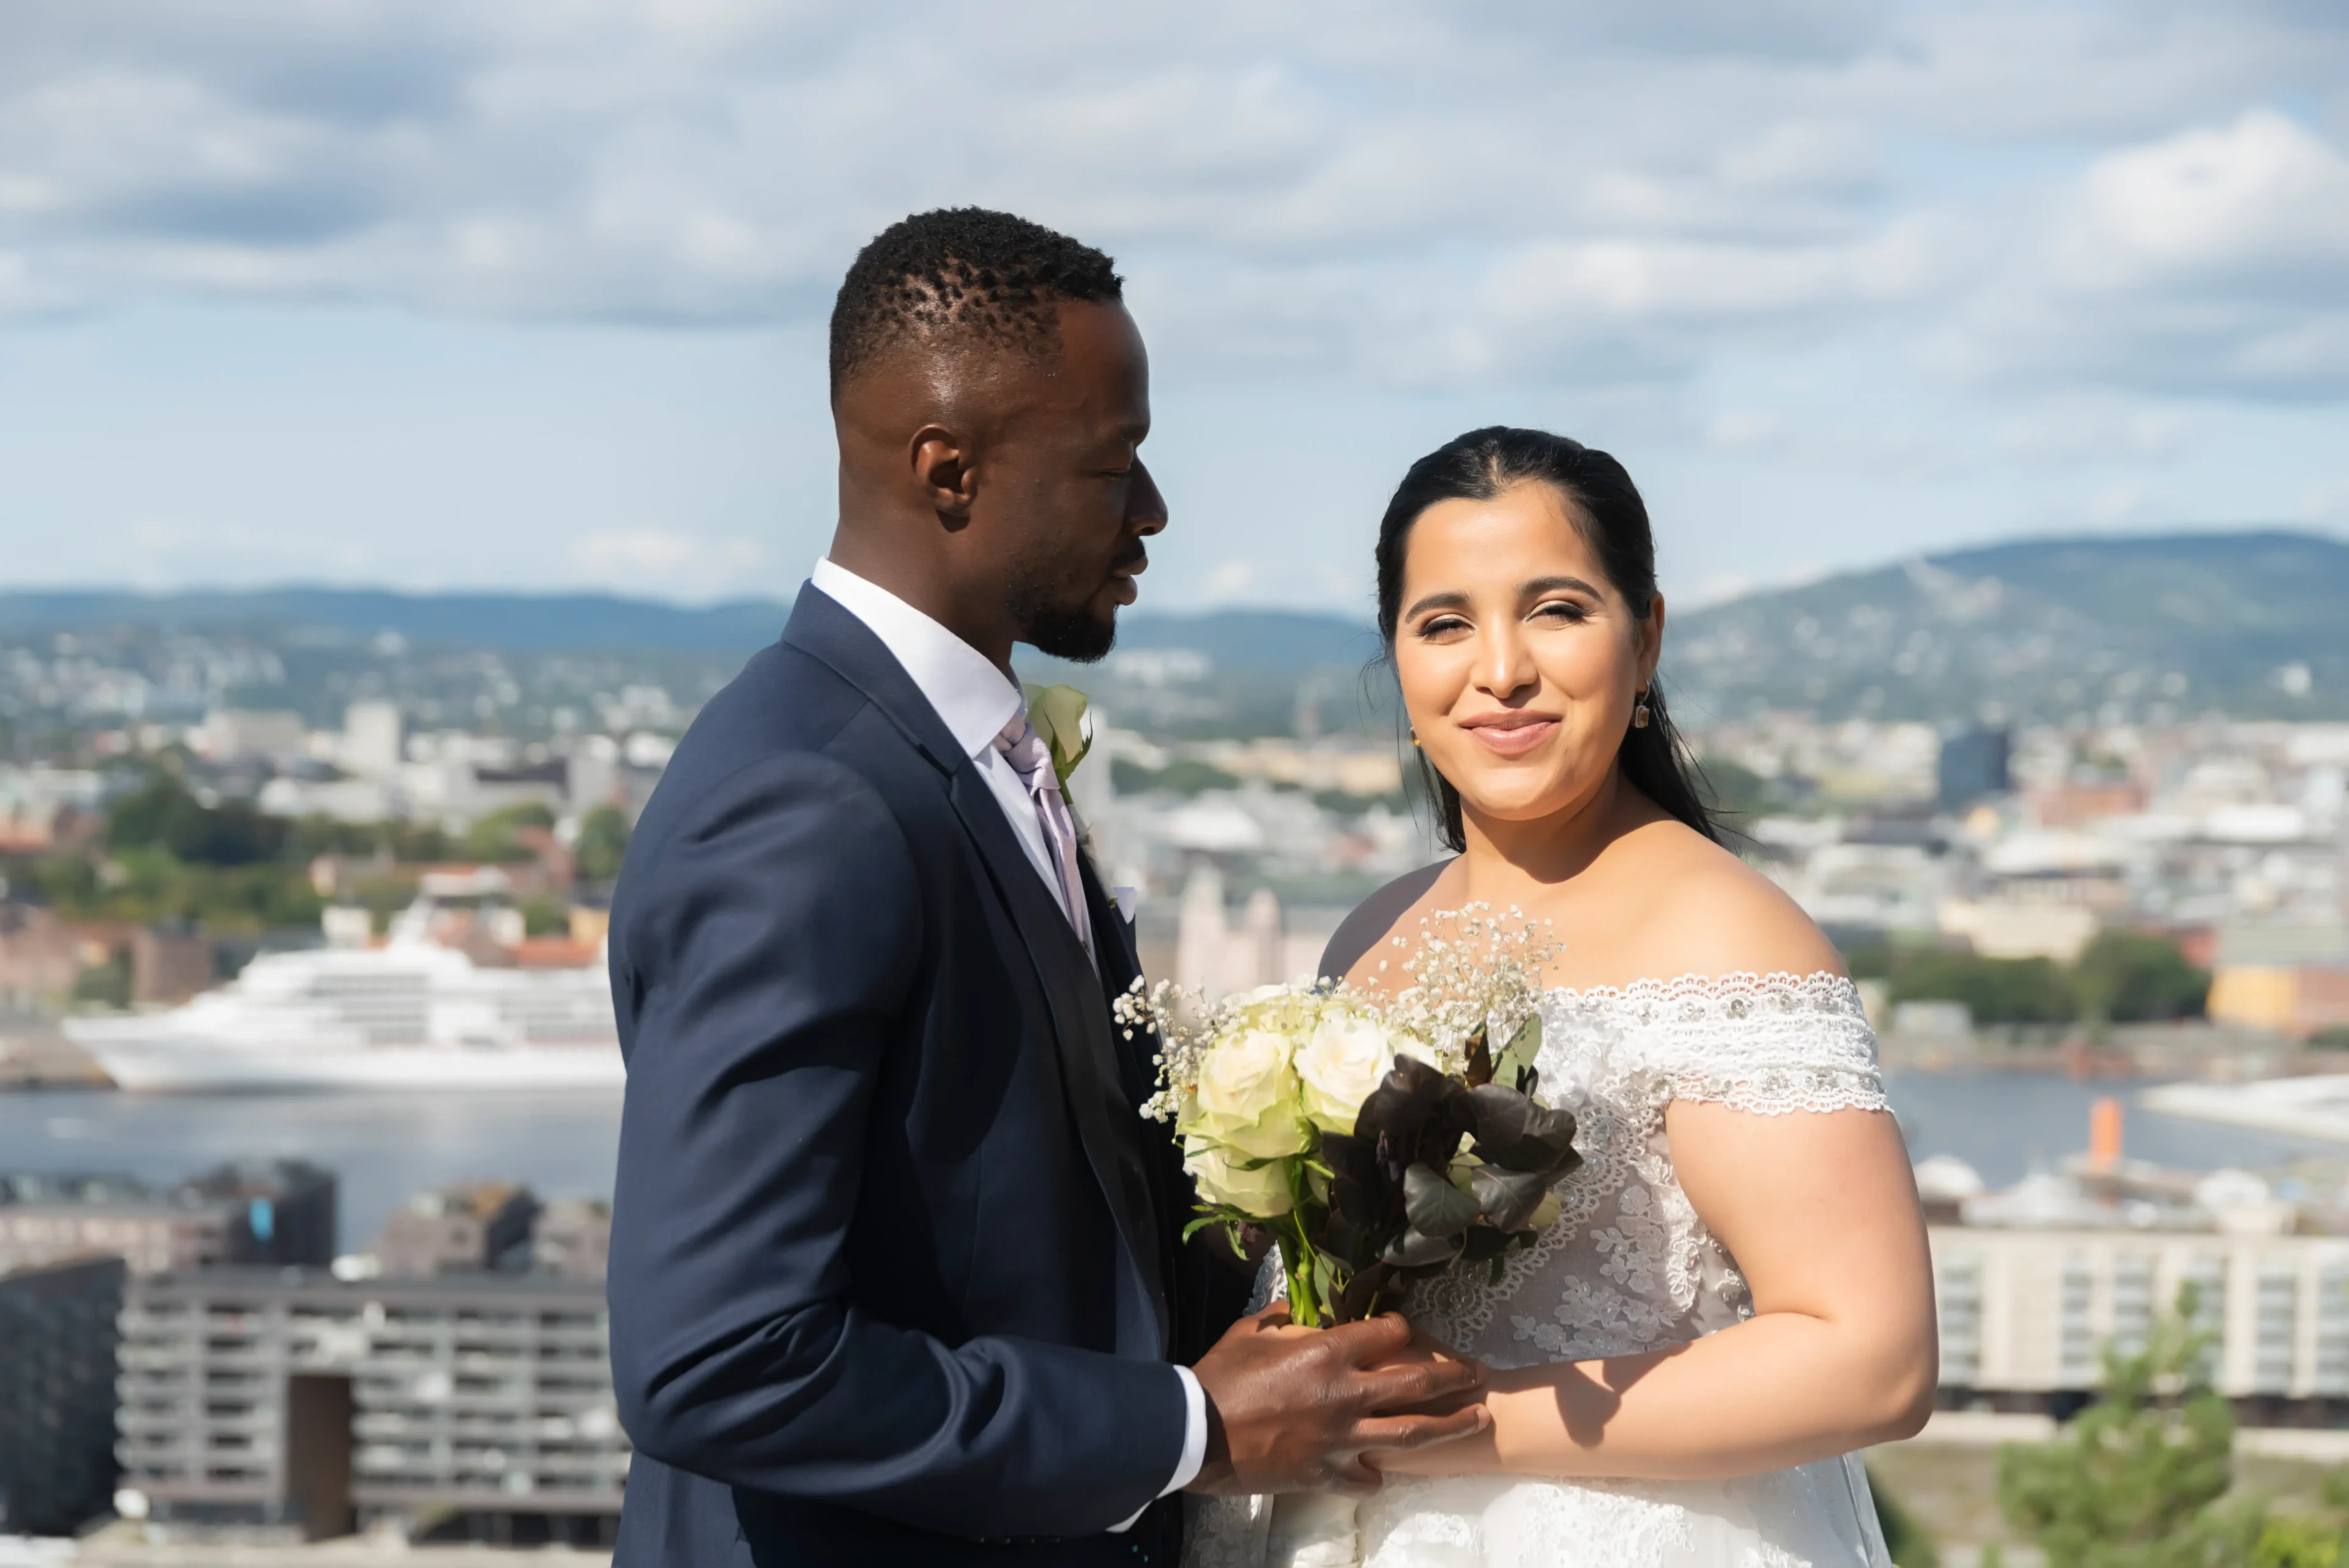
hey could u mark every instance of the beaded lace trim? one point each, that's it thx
(1627, 1279)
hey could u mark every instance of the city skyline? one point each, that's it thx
(431, 298)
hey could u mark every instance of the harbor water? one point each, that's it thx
(385, 1146)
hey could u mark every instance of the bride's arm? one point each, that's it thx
(1820, 1211)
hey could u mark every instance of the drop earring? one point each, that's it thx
(1639, 712)
(1415, 738)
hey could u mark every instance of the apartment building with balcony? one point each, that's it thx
(291, 1398)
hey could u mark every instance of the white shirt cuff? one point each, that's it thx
(1194, 1445)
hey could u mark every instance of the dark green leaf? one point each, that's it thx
(1480, 1059)
(1435, 1206)
(1417, 1249)
(1515, 1068)
(1507, 1197)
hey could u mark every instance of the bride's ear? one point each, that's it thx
(1650, 640)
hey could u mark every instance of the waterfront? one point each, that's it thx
(386, 1146)
(383, 1147)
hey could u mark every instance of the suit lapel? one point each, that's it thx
(1090, 1064)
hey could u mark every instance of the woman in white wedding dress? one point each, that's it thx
(1737, 1294)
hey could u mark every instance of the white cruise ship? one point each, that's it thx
(409, 1014)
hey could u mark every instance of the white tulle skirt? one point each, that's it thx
(1813, 1516)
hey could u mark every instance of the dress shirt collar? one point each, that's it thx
(974, 698)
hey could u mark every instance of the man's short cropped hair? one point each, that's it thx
(962, 273)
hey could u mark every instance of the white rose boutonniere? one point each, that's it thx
(1061, 721)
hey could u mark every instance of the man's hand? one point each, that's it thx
(1294, 1410)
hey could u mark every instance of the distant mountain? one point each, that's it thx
(1265, 640)
(1257, 639)
(510, 622)
(2249, 624)
(2252, 624)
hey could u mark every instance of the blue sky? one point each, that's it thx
(531, 296)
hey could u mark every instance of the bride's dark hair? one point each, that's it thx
(1607, 508)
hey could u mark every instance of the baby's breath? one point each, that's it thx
(1472, 969)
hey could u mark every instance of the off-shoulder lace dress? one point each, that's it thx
(1628, 1267)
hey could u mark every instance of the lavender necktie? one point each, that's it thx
(1032, 761)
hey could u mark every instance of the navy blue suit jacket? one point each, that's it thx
(893, 1270)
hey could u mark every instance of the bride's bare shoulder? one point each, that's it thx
(1702, 910)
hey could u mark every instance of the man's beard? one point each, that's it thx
(1052, 619)
(1063, 631)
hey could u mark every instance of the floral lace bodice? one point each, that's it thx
(1628, 1266)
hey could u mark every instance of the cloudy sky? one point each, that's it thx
(531, 295)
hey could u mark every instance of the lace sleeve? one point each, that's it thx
(1769, 1045)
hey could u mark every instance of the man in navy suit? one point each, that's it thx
(894, 1272)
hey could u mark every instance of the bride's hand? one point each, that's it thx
(1426, 1348)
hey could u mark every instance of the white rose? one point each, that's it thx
(1247, 1095)
(1342, 1061)
(1263, 1193)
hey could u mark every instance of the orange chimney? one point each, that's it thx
(2105, 1134)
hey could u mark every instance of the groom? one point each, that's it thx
(895, 1270)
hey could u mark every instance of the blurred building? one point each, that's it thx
(170, 964)
(468, 1226)
(57, 1338)
(1973, 766)
(2024, 1311)
(572, 1238)
(291, 1398)
(40, 954)
(239, 735)
(1263, 947)
(2290, 977)
(281, 1214)
(374, 735)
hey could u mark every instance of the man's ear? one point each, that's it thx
(944, 466)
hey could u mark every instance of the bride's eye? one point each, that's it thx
(1438, 627)
(1561, 612)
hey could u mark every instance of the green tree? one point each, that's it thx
(546, 915)
(2296, 1541)
(1734, 789)
(2128, 977)
(106, 984)
(602, 842)
(494, 837)
(166, 815)
(1908, 1541)
(2137, 1481)
(315, 836)
(1996, 990)
(1184, 775)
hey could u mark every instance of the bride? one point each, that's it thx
(1737, 1294)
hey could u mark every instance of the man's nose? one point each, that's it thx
(1145, 509)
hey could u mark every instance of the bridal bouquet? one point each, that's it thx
(1380, 1141)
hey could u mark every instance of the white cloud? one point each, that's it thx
(1830, 269)
(2215, 259)
(666, 560)
(1231, 579)
(2261, 199)
(1424, 194)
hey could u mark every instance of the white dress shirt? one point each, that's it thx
(975, 699)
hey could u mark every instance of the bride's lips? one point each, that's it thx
(1511, 734)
